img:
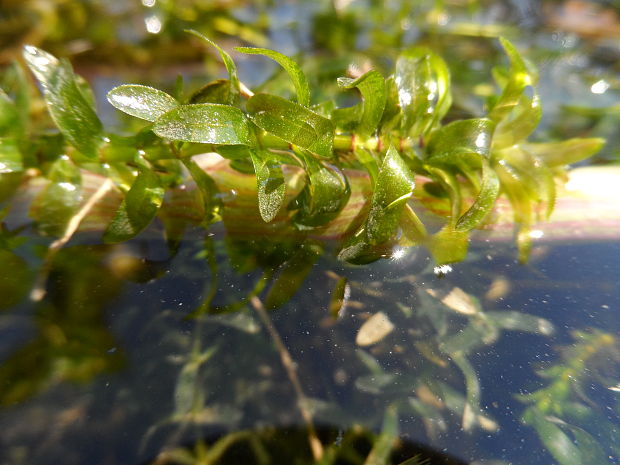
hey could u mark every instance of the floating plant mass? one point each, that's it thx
(311, 160)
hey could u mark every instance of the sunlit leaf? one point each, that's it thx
(208, 123)
(521, 75)
(270, 183)
(228, 63)
(513, 130)
(448, 245)
(70, 110)
(395, 184)
(292, 68)
(461, 140)
(565, 152)
(141, 101)
(339, 298)
(138, 208)
(484, 202)
(423, 83)
(292, 122)
(372, 87)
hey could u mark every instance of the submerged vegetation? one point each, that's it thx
(186, 270)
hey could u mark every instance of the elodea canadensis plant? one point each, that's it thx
(396, 135)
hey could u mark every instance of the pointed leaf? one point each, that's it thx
(423, 83)
(141, 101)
(228, 63)
(372, 87)
(270, 183)
(70, 110)
(558, 443)
(138, 209)
(521, 76)
(293, 123)
(394, 188)
(207, 123)
(565, 152)
(484, 202)
(292, 68)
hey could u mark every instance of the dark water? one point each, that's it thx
(114, 371)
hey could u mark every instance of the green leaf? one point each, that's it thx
(10, 156)
(326, 192)
(16, 279)
(511, 131)
(70, 110)
(372, 87)
(293, 123)
(518, 321)
(380, 453)
(270, 183)
(463, 140)
(228, 63)
(292, 68)
(217, 91)
(565, 152)
(394, 187)
(292, 275)
(207, 188)
(141, 101)
(207, 123)
(59, 201)
(557, 442)
(521, 75)
(449, 246)
(9, 117)
(138, 208)
(423, 82)
(484, 202)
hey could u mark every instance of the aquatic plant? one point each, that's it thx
(402, 129)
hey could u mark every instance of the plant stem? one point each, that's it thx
(289, 366)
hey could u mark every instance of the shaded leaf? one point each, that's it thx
(59, 201)
(293, 123)
(520, 322)
(70, 110)
(270, 183)
(207, 188)
(228, 63)
(16, 279)
(141, 101)
(372, 87)
(138, 208)
(207, 123)
(394, 187)
(10, 123)
(325, 194)
(382, 447)
(215, 92)
(292, 68)
(292, 276)
(558, 443)
(10, 156)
